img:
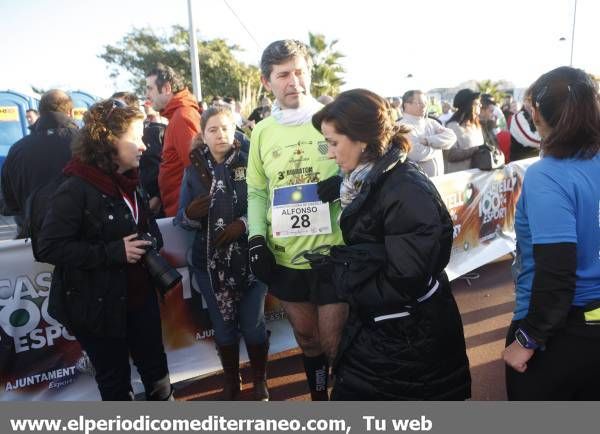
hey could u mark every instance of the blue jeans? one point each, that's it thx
(251, 314)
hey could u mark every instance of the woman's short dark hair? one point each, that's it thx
(567, 99)
(103, 124)
(365, 117)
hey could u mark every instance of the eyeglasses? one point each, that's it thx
(115, 104)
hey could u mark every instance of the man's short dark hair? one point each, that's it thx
(165, 74)
(279, 52)
(32, 111)
(56, 100)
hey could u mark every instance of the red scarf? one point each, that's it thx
(138, 284)
(111, 184)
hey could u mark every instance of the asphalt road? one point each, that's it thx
(485, 302)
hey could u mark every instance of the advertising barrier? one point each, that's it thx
(482, 206)
(40, 360)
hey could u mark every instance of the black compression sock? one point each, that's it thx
(317, 373)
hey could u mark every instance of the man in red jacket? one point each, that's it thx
(167, 92)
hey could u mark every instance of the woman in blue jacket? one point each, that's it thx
(214, 203)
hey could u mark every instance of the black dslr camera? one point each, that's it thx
(163, 275)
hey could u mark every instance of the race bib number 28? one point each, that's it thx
(297, 211)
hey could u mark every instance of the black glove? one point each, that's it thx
(329, 189)
(262, 261)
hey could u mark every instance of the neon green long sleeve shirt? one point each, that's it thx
(281, 156)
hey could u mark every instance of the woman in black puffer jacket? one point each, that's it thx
(100, 290)
(404, 338)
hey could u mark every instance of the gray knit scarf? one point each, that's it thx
(353, 182)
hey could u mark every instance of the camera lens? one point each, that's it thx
(163, 275)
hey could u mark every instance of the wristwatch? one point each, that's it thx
(525, 340)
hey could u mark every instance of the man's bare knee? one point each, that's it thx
(304, 320)
(310, 344)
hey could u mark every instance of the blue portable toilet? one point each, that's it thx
(82, 101)
(13, 124)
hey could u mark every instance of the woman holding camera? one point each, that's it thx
(100, 290)
(213, 203)
(403, 339)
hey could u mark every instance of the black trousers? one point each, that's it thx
(110, 356)
(567, 370)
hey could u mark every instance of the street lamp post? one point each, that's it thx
(194, 54)
(573, 33)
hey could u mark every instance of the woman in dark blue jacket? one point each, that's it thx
(213, 203)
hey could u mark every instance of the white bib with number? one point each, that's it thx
(297, 211)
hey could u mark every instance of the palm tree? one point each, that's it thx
(492, 88)
(326, 76)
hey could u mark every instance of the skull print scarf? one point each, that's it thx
(227, 265)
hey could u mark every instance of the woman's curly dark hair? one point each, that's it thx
(103, 124)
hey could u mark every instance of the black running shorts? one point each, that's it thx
(293, 285)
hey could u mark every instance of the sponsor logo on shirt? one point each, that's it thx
(276, 152)
(239, 174)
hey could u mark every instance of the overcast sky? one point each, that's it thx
(55, 43)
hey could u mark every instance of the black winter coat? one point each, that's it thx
(153, 138)
(82, 236)
(35, 160)
(420, 356)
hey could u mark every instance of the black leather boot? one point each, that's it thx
(230, 360)
(160, 390)
(259, 355)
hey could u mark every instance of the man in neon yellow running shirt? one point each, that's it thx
(292, 187)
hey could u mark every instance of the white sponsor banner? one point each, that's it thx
(482, 206)
(40, 360)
